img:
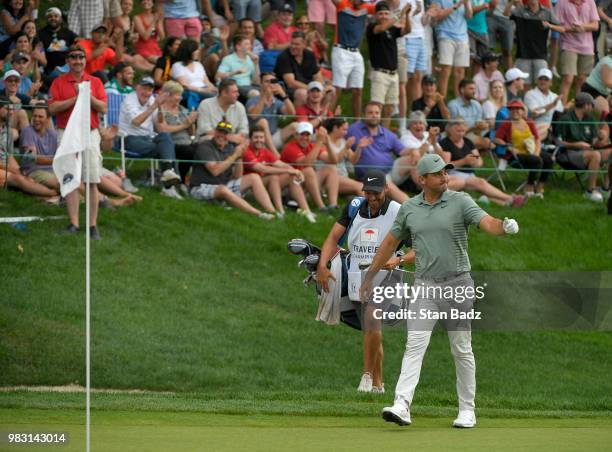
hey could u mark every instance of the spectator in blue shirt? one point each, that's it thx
(468, 108)
(453, 42)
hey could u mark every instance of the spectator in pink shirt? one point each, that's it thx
(486, 75)
(278, 34)
(579, 19)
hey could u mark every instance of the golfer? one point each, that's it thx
(437, 221)
(366, 230)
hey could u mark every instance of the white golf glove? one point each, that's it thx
(510, 226)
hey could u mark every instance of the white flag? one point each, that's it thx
(76, 139)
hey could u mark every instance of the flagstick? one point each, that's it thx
(87, 293)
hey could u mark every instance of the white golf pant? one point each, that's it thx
(460, 338)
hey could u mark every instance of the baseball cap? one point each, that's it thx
(146, 81)
(11, 73)
(19, 56)
(515, 73)
(516, 103)
(545, 73)
(304, 127)
(428, 80)
(584, 98)
(286, 8)
(488, 57)
(432, 163)
(99, 26)
(315, 85)
(374, 180)
(417, 116)
(224, 126)
(382, 6)
(53, 10)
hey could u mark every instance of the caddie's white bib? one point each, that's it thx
(364, 237)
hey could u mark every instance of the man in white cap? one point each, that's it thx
(137, 118)
(302, 153)
(56, 39)
(437, 221)
(515, 83)
(317, 106)
(542, 103)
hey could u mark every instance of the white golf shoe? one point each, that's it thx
(396, 413)
(365, 385)
(465, 419)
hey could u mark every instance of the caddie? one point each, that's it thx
(364, 221)
(436, 221)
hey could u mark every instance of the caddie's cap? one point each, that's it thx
(374, 180)
(432, 163)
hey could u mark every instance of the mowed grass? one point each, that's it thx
(138, 431)
(197, 299)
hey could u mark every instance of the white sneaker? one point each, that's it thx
(502, 164)
(266, 216)
(169, 177)
(465, 419)
(396, 413)
(280, 215)
(184, 189)
(484, 200)
(594, 196)
(365, 385)
(379, 389)
(128, 186)
(311, 217)
(171, 192)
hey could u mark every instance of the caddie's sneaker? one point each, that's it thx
(465, 419)
(365, 385)
(379, 389)
(171, 192)
(396, 413)
(594, 196)
(169, 177)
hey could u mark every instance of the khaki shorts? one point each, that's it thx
(453, 53)
(573, 63)
(43, 177)
(384, 87)
(95, 158)
(402, 66)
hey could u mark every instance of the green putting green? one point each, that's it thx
(156, 431)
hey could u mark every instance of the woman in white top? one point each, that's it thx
(497, 99)
(342, 148)
(190, 73)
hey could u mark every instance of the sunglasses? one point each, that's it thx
(76, 56)
(12, 80)
(225, 126)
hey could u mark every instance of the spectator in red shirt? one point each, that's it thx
(276, 175)
(316, 109)
(63, 96)
(302, 153)
(278, 34)
(98, 49)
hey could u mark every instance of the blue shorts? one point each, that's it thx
(417, 55)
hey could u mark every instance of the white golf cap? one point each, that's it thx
(11, 73)
(545, 73)
(304, 127)
(515, 73)
(315, 85)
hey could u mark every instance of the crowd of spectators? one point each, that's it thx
(237, 97)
